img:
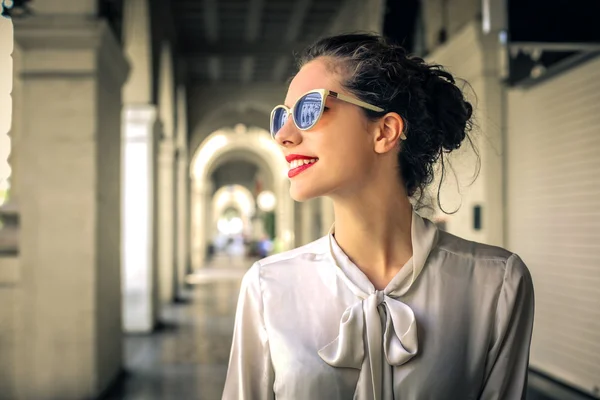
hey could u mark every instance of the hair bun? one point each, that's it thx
(450, 111)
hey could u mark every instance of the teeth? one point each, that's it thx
(299, 163)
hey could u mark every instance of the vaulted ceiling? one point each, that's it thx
(248, 41)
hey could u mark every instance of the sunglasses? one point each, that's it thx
(308, 109)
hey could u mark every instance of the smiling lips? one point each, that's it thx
(299, 163)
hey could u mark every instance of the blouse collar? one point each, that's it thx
(424, 236)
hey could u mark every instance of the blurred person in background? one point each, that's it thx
(386, 306)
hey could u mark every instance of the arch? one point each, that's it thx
(231, 104)
(241, 155)
(238, 197)
(220, 143)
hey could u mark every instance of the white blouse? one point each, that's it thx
(455, 323)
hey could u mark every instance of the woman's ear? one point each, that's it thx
(389, 132)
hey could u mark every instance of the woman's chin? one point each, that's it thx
(301, 194)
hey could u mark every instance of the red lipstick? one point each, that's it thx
(291, 157)
(295, 171)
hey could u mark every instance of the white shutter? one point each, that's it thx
(553, 217)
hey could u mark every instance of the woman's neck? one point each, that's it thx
(373, 228)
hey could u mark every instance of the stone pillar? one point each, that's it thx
(183, 196)
(138, 48)
(201, 219)
(166, 207)
(69, 337)
(140, 286)
(8, 211)
(182, 217)
(210, 225)
(9, 261)
(138, 274)
(197, 234)
(166, 179)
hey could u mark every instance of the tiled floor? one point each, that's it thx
(186, 359)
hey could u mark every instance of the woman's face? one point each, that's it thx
(340, 140)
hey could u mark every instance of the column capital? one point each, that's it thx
(140, 113)
(76, 37)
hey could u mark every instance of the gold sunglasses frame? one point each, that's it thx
(325, 93)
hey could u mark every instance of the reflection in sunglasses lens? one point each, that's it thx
(307, 110)
(280, 117)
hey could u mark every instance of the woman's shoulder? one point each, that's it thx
(284, 271)
(290, 263)
(494, 265)
(308, 252)
(480, 255)
(464, 248)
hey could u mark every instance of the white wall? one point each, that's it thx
(473, 57)
(554, 217)
(458, 14)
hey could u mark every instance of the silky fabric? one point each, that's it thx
(454, 323)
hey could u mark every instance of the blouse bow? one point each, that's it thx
(362, 319)
(361, 330)
(379, 321)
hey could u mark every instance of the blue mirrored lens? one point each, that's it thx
(280, 116)
(307, 110)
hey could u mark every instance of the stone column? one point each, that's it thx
(166, 179)
(183, 241)
(138, 274)
(140, 134)
(210, 225)
(166, 207)
(201, 219)
(69, 337)
(197, 233)
(9, 261)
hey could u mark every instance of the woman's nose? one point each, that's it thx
(288, 135)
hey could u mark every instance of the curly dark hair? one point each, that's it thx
(437, 116)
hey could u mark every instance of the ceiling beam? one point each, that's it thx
(211, 20)
(241, 48)
(297, 17)
(255, 11)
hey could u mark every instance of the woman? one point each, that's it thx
(385, 306)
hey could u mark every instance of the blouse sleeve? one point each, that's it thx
(250, 373)
(508, 358)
